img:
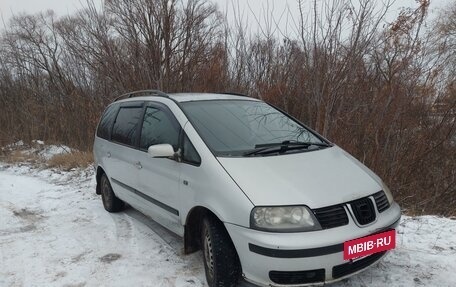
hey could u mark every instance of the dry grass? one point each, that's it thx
(30, 154)
(67, 161)
(18, 156)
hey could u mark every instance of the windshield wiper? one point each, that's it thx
(290, 143)
(282, 147)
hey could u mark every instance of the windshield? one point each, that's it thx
(234, 127)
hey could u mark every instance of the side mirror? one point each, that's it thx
(161, 151)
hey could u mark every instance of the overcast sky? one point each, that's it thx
(61, 7)
(248, 7)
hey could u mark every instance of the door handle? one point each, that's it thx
(138, 165)
(109, 154)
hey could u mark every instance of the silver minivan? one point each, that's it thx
(267, 200)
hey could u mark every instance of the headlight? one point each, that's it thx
(388, 193)
(283, 219)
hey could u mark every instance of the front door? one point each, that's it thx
(159, 177)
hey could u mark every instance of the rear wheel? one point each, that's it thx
(110, 201)
(221, 261)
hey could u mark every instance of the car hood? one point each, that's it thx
(316, 178)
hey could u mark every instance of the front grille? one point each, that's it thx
(297, 277)
(331, 216)
(351, 267)
(381, 201)
(363, 209)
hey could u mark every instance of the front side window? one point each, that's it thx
(125, 127)
(237, 127)
(189, 153)
(158, 128)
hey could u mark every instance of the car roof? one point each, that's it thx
(189, 97)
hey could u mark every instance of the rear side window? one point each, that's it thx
(125, 129)
(158, 128)
(104, 128)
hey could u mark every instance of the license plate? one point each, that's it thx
(358, 248)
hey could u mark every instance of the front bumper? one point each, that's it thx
(266, 257)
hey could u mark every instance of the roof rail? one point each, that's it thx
(138, 93)
(235, 94)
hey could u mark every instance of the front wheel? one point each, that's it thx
(221, 261)
(110, 201)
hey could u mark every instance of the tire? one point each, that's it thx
(110, 201)
(221, 261)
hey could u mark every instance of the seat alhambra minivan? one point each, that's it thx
(267, 200)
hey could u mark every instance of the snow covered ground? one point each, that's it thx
(55, 232)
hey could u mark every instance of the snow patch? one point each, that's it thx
(52, 150)
(13, 145)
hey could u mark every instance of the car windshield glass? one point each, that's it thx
(237, 127)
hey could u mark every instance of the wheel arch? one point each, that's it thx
(192, 228)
